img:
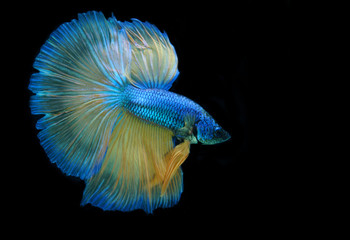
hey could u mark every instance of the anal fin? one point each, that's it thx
(132, 173)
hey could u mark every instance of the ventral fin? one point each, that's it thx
(175, 158)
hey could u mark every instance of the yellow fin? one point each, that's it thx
(154, 60)
(131, 176)
(174, 159)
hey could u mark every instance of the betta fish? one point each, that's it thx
(109, 117)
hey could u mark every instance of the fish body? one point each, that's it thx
(170, 110)
(109, 117)
(160, 106)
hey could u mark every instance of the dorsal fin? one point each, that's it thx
(154, 60)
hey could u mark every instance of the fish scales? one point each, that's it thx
(160, 107)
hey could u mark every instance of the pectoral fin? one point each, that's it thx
(186, 132)
(174, 159)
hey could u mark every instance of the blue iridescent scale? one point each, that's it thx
(161, 107)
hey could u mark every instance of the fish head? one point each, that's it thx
(209, 132)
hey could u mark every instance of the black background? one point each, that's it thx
(235, 60)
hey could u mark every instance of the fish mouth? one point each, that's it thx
(221, 136)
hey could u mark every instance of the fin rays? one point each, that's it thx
(133, 171)
(154, 62)
(78, 93)
(174, 159)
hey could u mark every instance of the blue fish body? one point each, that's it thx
(160, 106)
(109, 118)
(169, 110)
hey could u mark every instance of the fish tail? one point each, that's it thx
(82, 71)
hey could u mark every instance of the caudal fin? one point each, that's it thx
(78, 91)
